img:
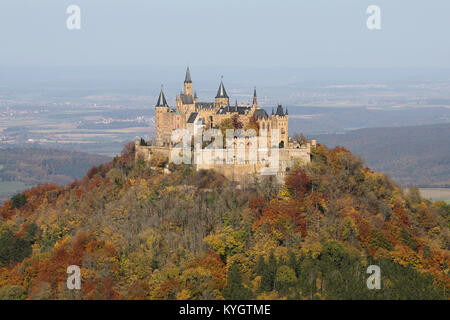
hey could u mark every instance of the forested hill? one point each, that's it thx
(137, 233)
(412, 156)
(26, 166)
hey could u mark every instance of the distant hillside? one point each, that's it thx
(22, 167)
(139, 233)
(418, 155)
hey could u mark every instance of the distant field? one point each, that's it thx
(436, 193)
(10, 187)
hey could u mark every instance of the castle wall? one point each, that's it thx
(253, 163)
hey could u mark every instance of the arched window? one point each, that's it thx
(268, 126)
(264, 126)
(282, 131)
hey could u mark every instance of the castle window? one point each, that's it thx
(264, 126)
(282, 131)
(268, 126)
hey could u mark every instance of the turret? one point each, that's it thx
(255, 99)
(161, 100)
(188, 83)
(222, 97)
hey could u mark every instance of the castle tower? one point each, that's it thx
(188, 83)
(162, 121)
(195, 97)
(255, 99)
(222, 98)
(280, 122)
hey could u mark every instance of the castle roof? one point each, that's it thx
(234, 109)
(187, 79)
(221, 93)
(204, 105)
(261, 114)
(186, 99)
(192, 117)
(255, 99)
(161, 100)
(280, 111)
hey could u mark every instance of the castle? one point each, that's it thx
(196, 117)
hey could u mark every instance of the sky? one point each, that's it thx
(226, 33)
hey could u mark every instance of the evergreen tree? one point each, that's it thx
(234, 289)
(268, 275)
(260, 266)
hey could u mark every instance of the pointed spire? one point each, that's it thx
(162, 99)
(286, 111)
(221, 93)
(255, 100)
(187, 79)
(195, 95)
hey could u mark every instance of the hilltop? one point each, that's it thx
(138, 233)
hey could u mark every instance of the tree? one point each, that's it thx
(298, 182)
(13, 293)
(234, 289)
(18, 201)
(237, 123)
(285, 280)
(253, 124)
(268, 274)
(260, 266)
(300, 138)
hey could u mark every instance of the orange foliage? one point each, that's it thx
(298, 182)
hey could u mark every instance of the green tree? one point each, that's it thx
(285, 280)
(13, 293)
(18, 201)
(268, 275)
(235, 289)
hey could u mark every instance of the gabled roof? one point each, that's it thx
(161, 100)
(221, 93)
(187, 79)
(192, 117)
(186, 99)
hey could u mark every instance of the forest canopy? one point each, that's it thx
(139, 233)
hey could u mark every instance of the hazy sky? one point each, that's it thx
(252, 33)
